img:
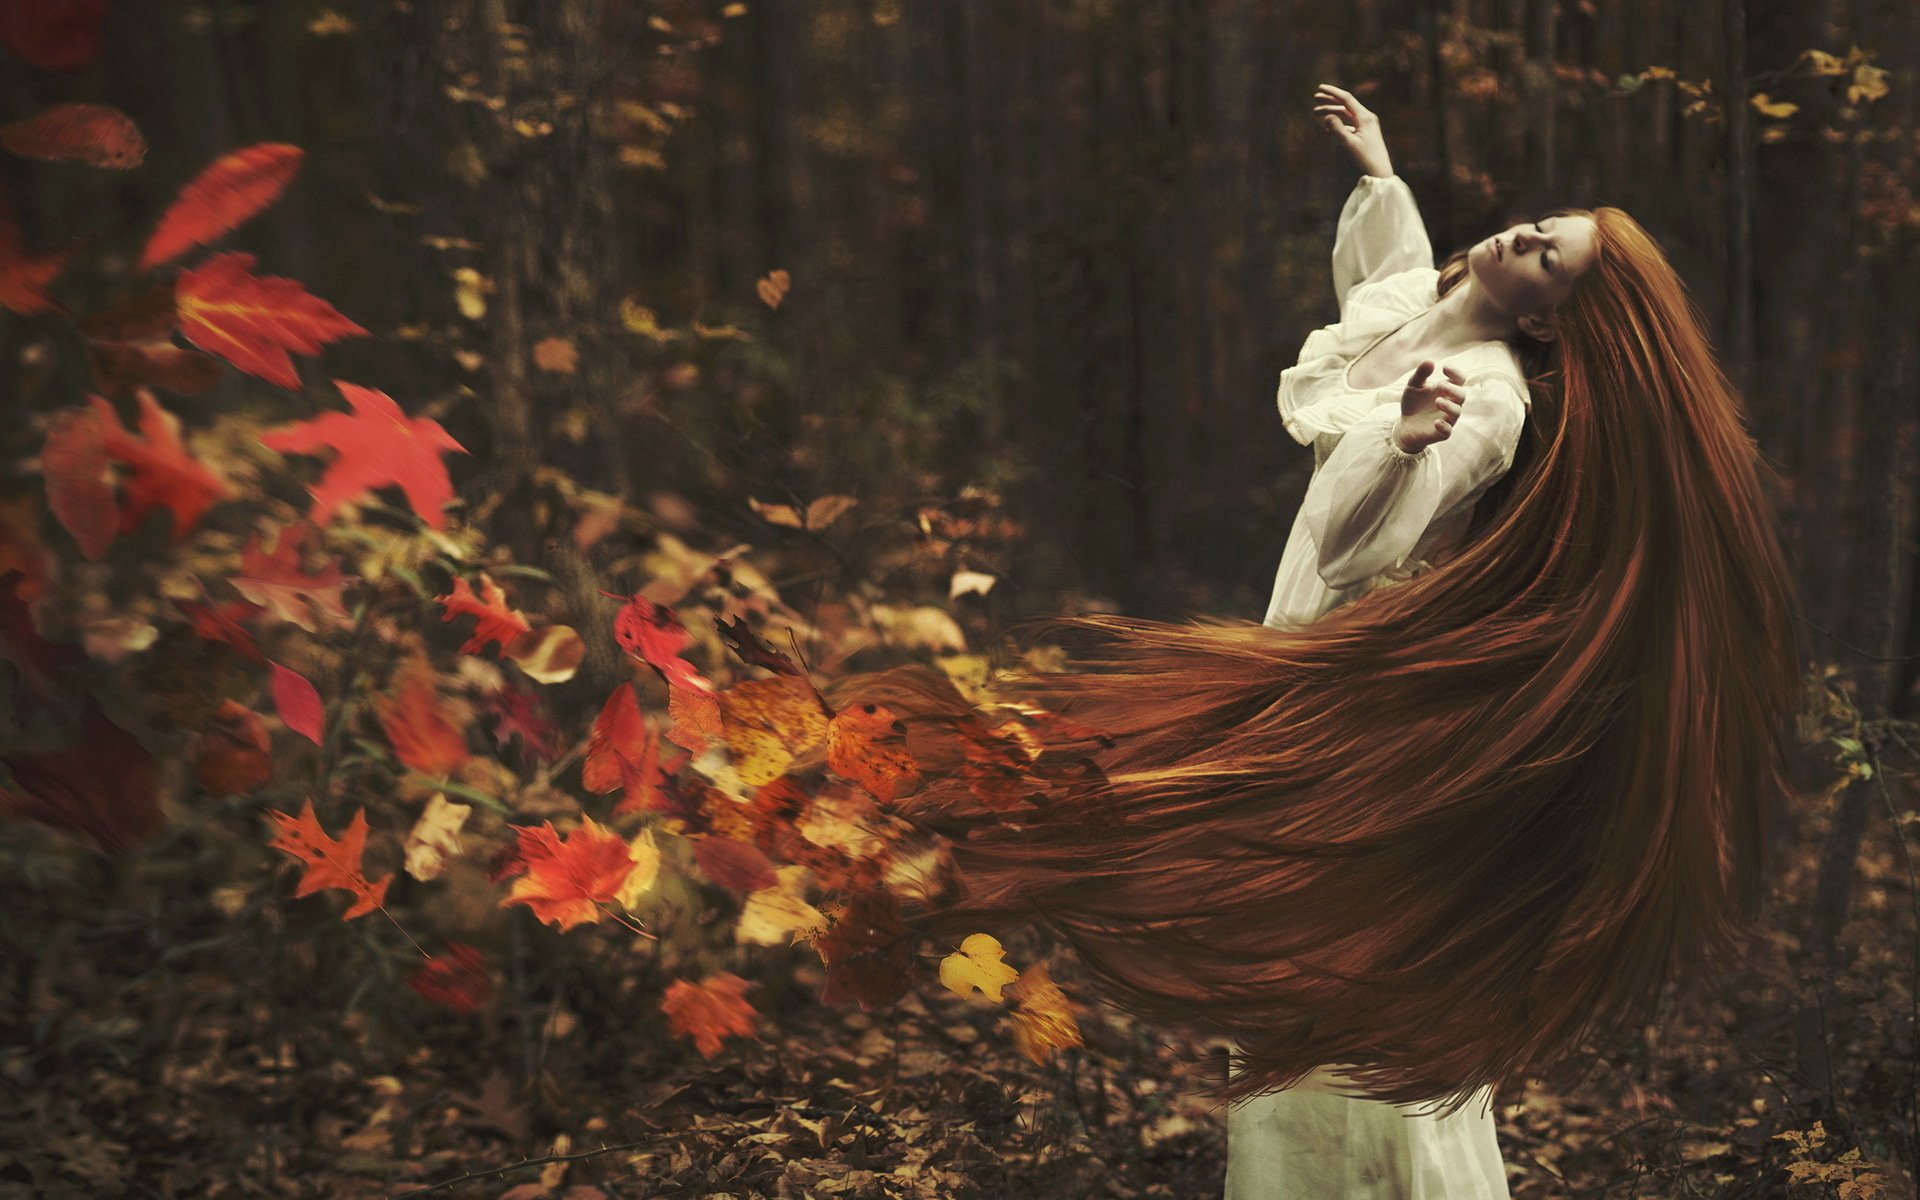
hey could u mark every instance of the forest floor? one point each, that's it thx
(152, 1049)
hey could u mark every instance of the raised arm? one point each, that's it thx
(1380, 232)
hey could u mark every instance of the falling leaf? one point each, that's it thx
(1767, 107)
(298, 704)
(90, 133)
(623, 751)
(54, 35)
(820, 512)
(79, 476)
(696, 718)
(774, 914)
(456, 980)
(284, 588)
(1869, 83)
(330, 863)
(24, 277)
(965, 582)
(121, 367)
(978, 963)
(651, 633)
(550, 654)
(411, 714)
(102, 787)
(645, 853)
(767, 723)
(641, 320)
(868, 952)
(496, 622)
(377, 444)
(751, 649)
(235, 754)
(733, 864)
(709, 1011)
(161, 474)
(566, 881)
(556, 355)
(866, 744)
(252, 321)
(773, 288)
(1043, 1017)
(518, 712)
(470, 290)
(435, 837)
(229, 191)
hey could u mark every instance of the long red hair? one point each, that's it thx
(1460, 823)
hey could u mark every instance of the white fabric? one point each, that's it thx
(1374, 515)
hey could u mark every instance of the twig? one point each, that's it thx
(526, 1162)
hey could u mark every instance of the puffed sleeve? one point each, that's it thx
(1370, 501)
(1379, 234)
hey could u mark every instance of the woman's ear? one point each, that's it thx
(1537, 327)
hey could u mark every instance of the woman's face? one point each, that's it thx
(1530, 268)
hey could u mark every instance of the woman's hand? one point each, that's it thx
(1427, 412)
(1356, 126)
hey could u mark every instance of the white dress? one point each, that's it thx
(1374, 515)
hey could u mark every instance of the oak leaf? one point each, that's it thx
(709, 1011)
(495, 621)
(330, 863)
(252, 321)
(566, 881)
(231, 189)
(377, 444)
(160, 472)
(90, 133)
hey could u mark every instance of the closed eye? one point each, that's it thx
(1544, 264)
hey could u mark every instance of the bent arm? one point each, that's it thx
(1371, 501)
(1379, 234)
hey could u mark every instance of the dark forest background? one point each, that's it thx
(1046, 261)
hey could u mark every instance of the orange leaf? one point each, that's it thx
(79, 478)
(161, 474)
(710, 1010)
(90, 133)
(733, 864)
(868, 952)
(378, 444)
(773, 288)
(421, 734)
(229, 191)
(556, 354)
(624, 751)
(566, 881)
(281, 584)
(252, 321)
(770, 722)
(696, 718)
(330, 863)
(497, 623)
(1043, 1020)
(866, 743)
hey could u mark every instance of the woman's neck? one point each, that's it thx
(1467, 314)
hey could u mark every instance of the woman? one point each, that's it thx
(1504, 754)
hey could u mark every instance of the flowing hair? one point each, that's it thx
(1444, 832)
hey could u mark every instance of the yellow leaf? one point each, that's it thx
(1825, 64)
(768, 723)
(778, 514)
(645, 853)
(977, 964)
(1043, 1019)
(1869, 83)
(641, 320)
(1766, 106)
(435, 837)
(470, 290)
(774, 915)
(969, 581)
(828, 509)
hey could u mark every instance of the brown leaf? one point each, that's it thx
(90, 133)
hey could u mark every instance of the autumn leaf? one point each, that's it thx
(24, 277)
(252, 321)
(160, 472)
(651, 633)
(297, 702)
(868, 952)
(556, 355)
(456, 980)
(645, 853)
(550, 654)
(496, 622)
(696, 719)
(773, 915)
(518, 712)
(235, 754)
(709, 1011)
(866, 744)
(773, 288)
(330, 863)
(435, 837)
(422, 736)
(121, 367)
(232, 189)
(733, 864)
(566, 881)
(54, 35)
(102, 787)
(377, 444)
(73, 460)
(623, 751)
(977, 964)
(90, 133)
(820, 513)
(1043, 1017)
(283, 587)
(752, 650)
(767, 723)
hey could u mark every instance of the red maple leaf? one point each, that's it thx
(456, 980)
(284, 587)
(624, 751)
(517, 711)
(377, 444)
(221, 623)
(651, 633)
(102, 787)
(233, 188)
(24, 277)
(160, 474)
(566, 881)
(252, 321)
(497, 623)
(330, 863)
(54, 35)
(422, 736)
(710, 1010)
(90, 133)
